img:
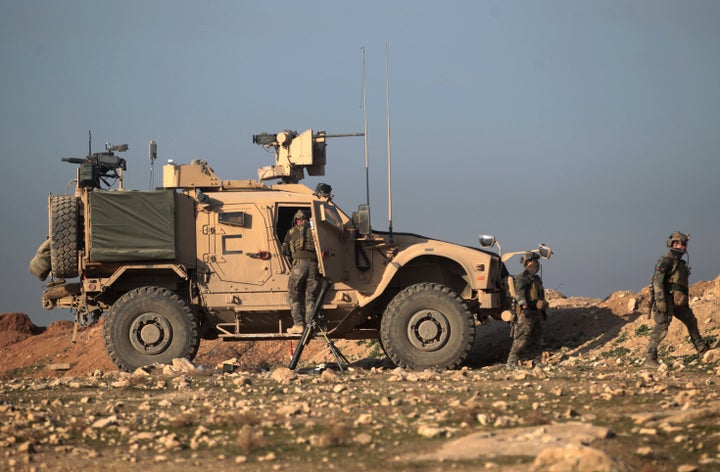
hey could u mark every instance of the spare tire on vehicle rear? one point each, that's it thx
(64, 232)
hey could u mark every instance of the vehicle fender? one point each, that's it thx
(458, 254)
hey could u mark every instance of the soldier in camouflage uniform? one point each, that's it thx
(304, 283)
(531, 306)
(670, 289)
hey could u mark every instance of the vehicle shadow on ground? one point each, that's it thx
(576, 331)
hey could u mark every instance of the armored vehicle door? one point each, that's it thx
(238, 249)
(333, 244)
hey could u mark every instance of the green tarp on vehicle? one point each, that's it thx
(132, 226)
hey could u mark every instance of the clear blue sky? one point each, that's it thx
(589, 126)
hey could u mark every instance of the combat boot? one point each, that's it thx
(652, 363)
(512, 362)
(297, 328)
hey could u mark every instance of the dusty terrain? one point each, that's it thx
(64, 406)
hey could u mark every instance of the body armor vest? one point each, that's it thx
(301, 242)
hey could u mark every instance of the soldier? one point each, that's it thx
(670, 289)
(303, 285)
(531, 306)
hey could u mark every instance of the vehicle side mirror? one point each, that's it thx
(361, 219)
(544, 251)
(486, 240)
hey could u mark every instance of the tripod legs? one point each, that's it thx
(316, 322)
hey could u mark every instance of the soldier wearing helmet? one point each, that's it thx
(531, 306)
(304, 281)
(670, 291)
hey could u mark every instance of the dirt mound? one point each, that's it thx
(615, 329)
(50, 352)
(60, 326)
(18, 322)
(15, 327)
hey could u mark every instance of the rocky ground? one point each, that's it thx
(64, 406)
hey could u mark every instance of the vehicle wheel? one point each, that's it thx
(427, 326)
(150, 324)
(64, 236)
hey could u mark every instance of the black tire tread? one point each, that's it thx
(64, 236)
(391, 349)
(156, 294)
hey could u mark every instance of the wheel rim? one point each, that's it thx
(150, 333)
(428, 330)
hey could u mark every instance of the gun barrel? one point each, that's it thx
(343, 135)
(73, 160)
(264, 139)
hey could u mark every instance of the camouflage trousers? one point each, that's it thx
(303, 288)
(662, 323)
(527, 336)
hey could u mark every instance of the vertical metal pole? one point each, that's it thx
(365, 129)
(387, 106)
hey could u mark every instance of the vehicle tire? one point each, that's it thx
(64, 216)
(148, 325)
(427, 326)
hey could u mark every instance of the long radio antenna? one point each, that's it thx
(365, 134)
(387, 106)
(365, 129)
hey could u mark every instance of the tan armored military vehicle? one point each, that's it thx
(201, 258)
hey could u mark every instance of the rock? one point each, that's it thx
(26, 448)
(105, 422)
(429, 431)
(711, 356)
(180, 383)
(362, 439)
(183, 365)
(632, 304)
(121, 383)
(283, 375)
(687, 468)
(644, 451)
(578, 459)
(328, 375)
(242, 381)
(141, 372)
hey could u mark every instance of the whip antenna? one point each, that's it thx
(387, 106)
(365, 129)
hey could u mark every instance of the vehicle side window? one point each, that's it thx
(234, 218)
(331, 216)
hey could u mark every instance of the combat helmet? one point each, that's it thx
(677, 236)
(301, 214)
(529, 257)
